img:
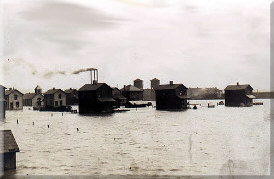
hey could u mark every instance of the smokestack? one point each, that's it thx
(171, 82)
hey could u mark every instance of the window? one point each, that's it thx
(17, 104)
(56, 103)
(15, 97)
(61, 103)
(59, 96)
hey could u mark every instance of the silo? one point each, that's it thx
(138, 83)
(154, 83)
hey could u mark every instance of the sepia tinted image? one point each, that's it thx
(123, 88)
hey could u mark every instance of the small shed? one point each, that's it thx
(239, 95)
(171, 97)
(8, 148)
(95, 98)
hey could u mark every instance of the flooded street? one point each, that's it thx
(206, 141)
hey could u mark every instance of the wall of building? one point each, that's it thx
(61, 101)
(15, 104)
(9, 160)
(35, 101)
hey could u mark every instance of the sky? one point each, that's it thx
(199, 43)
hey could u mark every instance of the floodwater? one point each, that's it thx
(207, 141)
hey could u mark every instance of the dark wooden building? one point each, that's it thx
(171, 97)
(118, 97)
(71, 96)
(132, 93)
(2, 102)
(8, 148)
(239, 95)
(95, 98)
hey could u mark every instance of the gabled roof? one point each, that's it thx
(138, 79)
(169, 87)
(91, 87)
(69, 90)
(53, 91)
(3, 86)
(8, 92)
(130, 88)
(28, 95)
(8, 144)
(238, 87)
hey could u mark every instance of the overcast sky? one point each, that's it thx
(203, 43)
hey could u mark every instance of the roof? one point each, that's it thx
(53, 91)
(8, 92)
(8, 144)
(119, 96)
(38, 87)
(29, 95)
(106, 100)
(238, 87)
(130, 88)
(251, 96)
(3, 86)
(168, 87)
(69, 90)
(155, 79)
(91, 87)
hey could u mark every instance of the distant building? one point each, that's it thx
(95, 98)
(34, 99)
(239, 95)
(8, 148)
(14, 99)
(204, 93)
(171, 97)
(2, 102)
(132, 93)
(118, 97)
(138, 83)
(149, 95)
(154, 83)
(71, 96)
(55, 98)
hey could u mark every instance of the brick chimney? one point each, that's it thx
(237, 83)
